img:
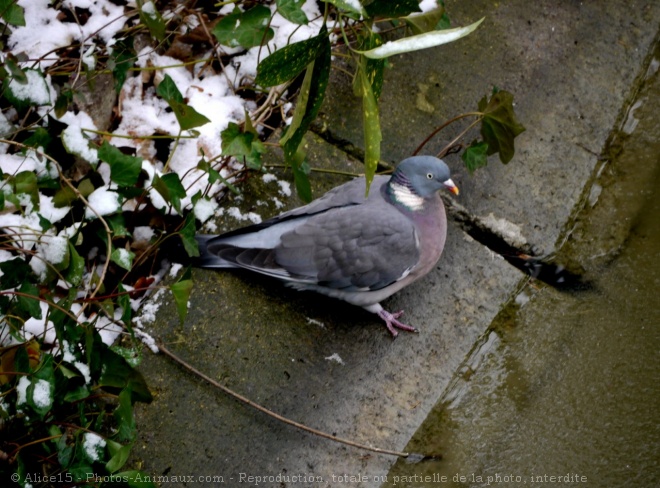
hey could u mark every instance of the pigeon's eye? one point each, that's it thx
(429, 176)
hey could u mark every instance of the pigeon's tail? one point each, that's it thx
(207, 259)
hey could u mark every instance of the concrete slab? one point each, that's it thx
(571, 67)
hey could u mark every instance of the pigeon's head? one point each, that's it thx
(424, 175)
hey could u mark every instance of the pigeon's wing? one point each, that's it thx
(362, 248)
(216, 250)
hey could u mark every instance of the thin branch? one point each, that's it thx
(272, 414)
(432, 134)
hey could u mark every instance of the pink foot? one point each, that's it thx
(392, 323)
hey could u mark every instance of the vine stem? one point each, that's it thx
(438, 129)
(272, 414)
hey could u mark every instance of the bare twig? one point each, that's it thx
(272, 414)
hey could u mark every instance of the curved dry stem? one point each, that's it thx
(272, 414)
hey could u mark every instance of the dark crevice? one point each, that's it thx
(522, 257)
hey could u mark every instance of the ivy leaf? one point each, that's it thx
(76, 268)
(26, 182)
(188, 117)
(168, 90)
(348, 6)
(392, 8)
(181, 292)
(29, 304)
(152, 19)
(243, 145)
(291, 10)
(117, 373)
(420, 41)
(40, 138)
(287, 63)
(187, 233)
(123, 257)
(246, 29)
(475, 156)
(124, 169)
(500, 126)
(301, 176)
(121, 60)
(12, 13)
(171, 189)
(371, 123)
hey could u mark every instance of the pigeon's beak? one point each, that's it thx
(451, 186)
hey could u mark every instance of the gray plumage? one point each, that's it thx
(361, 250)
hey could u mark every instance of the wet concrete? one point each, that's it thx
(566, 385)
(571, 67)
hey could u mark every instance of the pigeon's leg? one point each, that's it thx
(390, 319)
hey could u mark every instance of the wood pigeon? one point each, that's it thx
(348, 246)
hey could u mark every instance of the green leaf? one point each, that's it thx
(123, 257)
(242, 145)
(374, 67)
(124, 169)
(40, 138)
(26, 182)
(76, 268)
(291, 10)
(353, 6)
(117, 373)
(246, 29)
(168, 90)
(75, 394)
(136, 479)
(392, 8)
(12, 13)
(170, 187)
(41, 392)
(475, 155)
(117, 225)
(29, 304)
(428, 21)
(121, 59)
(181, 292)
(287, 63)
(124, 301)
(123, 414)
(371, 122)
(310, 99)
(187, 233)
(499, 126)
(420, 41)
(187, 116)
(301, 176)
(152, 19)
(11, 63)
(119, 455)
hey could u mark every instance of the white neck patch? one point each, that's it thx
(403, 195)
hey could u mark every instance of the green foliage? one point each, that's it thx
(124, 169)
(187, 116)
(245, 29)
(500, 125)
(79, 390)
(291, 10)
(243, 144)
(170, 187)
(11, 13)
